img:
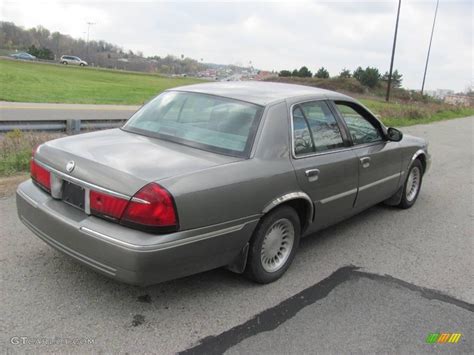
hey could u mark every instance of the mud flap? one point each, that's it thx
(240, 261)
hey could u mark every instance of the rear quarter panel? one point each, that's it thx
(239, 189)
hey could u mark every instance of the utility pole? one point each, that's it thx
(429, 47)
(389, 84)
(89, 24)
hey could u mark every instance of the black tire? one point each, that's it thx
(255, 269)
(407, 202)
(81, 65)
(65, 63)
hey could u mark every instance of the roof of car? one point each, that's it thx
(258, 92)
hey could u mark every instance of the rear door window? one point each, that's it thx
(315, 128)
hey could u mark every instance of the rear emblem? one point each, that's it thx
(70, 166)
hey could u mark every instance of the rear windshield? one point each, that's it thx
(202, 121)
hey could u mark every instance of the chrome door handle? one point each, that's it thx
(312, 174)
(365, 161)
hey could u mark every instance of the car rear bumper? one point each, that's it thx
(125, 254)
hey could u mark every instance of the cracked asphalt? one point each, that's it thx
(414, 276)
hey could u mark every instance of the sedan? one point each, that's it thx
(23, 56)
(217, 175)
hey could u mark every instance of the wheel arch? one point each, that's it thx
(298, 200)
(421, 155)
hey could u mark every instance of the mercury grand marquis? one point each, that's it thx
(216, 175)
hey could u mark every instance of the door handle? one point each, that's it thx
(312, 174)
(365, 161)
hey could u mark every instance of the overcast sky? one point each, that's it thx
(276, 35)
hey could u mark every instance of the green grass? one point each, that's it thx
(398, 114)
(36, 82)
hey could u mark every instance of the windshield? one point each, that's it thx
(202, 121)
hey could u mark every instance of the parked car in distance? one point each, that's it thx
(217, 174)
(23, 56)
(70, 59)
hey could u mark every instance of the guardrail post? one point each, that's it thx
(73, 126)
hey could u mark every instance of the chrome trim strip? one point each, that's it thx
(83, 183)
(417, 154)
(163, 246)
(381, 181)
(27, 198)
(139, 200)
(338, 196)
(288, 197)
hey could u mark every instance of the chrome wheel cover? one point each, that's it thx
(277, 245)
(413, 184)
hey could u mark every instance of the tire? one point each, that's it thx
(81, 65)
(412, 186)
(272, 248)
(65, 63)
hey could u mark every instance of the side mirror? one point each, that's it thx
(394, 135)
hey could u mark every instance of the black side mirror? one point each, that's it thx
(394, 135)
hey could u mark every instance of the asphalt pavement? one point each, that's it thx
(22, 111)
(379, 282)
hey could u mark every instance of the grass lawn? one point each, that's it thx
(398, 114)
(36, 82)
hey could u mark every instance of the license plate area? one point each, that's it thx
(73, 194)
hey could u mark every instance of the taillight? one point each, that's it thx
(105, 205)
(40, 175)
(151, 209)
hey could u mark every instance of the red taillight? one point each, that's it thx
(40, 175)
(106, 205)
(152, 208)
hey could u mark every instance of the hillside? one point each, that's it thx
(40, 82)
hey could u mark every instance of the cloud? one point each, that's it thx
(276, 35)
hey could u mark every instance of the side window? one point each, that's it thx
(301, 135)
(361, 129)
(315, 128)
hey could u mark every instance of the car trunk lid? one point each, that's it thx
(124, 162)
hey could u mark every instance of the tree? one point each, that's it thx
(369, 77)
(284, 73)
(345, 73)
(358, 74)
(41, 53)
(295, 72)
(322, 73)
(397, 78)
(304, 72)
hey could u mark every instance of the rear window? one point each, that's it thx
(202, 121)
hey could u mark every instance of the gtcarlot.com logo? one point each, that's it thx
(26, 340)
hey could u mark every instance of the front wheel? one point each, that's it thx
(82, 64)
(412, 186)
(273, 245)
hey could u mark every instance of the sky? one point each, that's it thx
(277, 35)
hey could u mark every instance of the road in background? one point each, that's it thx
(22, 111)
(46, 294)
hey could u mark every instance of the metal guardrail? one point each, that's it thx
(68, 126)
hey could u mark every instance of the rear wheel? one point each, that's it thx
(273, 245)
(412, 186)
(82, 64)
(65, 63)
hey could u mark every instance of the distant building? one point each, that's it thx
(461, 100)
(263, 74)
(440, 93)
